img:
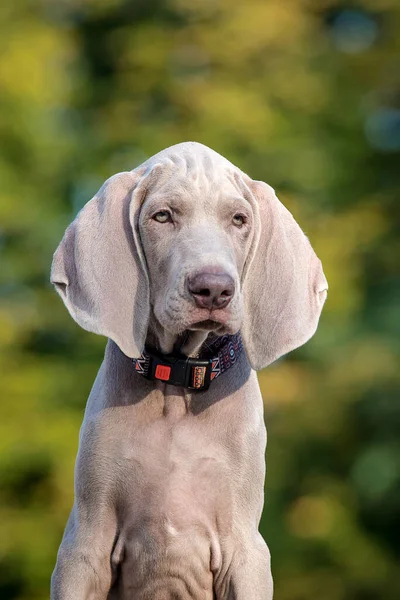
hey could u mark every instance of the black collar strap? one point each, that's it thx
(191, 373)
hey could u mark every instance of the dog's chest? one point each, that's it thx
(178, 488)
(160, 454)
(175, 471)
(157, 565)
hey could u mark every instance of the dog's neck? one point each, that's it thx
(122, 385)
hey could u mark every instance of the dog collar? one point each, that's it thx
(191, 373)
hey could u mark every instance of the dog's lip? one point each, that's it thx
(210, 320)
(206, 324)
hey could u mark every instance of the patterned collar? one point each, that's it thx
(191, 373)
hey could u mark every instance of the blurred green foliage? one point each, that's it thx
(300, 93)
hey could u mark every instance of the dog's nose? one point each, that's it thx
(211, 290)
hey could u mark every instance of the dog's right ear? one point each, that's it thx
(99, 268)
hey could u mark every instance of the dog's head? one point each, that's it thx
(189, 240)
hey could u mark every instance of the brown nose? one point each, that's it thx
(211, 290)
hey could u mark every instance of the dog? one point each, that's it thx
(198, 276)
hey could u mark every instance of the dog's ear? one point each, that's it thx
(99, 269)
(284, 287)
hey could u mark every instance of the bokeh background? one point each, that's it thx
(301, 93)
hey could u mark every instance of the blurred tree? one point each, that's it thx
(303, 94)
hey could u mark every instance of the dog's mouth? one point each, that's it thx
(211, 320)
(206, 325)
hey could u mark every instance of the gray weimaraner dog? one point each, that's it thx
(169, 261)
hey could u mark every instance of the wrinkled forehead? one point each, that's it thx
(198, 173)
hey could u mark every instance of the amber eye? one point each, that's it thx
(238, 220)
(163, 216)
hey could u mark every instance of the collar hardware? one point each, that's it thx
(191, 373)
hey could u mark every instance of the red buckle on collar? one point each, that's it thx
(162, 372)
(190, 373)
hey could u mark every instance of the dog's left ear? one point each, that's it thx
(284, 287)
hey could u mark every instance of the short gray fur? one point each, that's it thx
(169, 485)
